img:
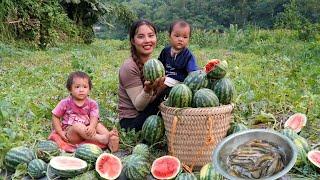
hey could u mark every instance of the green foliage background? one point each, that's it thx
(274, 72)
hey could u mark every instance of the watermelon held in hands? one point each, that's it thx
(314, 158)
(66, 166)
(153, 69)
(296, 122)
(108, 166)
(166, 167)
(216, 69)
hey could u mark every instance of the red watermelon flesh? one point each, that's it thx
(314, 157)
(108, 166)
(165, 167)
(211, 65)
(296, 122)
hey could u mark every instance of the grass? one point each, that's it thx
(273, 71)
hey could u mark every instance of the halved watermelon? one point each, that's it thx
(216, 69)
(108, 166)
(296, 122)
(165, 167)
(314, 157)
(65, 166)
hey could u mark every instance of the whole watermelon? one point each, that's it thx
(180, 96)
(136, 167)
(47, 149)
(224, 89)
(153, 129)
(88, 152)
(18, 155)
(37, 168)
(196, 80)
(153, 69)
(205, 98)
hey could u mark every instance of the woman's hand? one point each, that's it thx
(150, 87)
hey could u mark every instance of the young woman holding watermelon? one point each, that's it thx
(138, 98)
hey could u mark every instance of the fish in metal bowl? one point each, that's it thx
(254, 154)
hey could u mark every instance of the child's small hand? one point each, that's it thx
(63, 135)
(90, 131)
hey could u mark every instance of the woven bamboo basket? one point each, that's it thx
(193, 133)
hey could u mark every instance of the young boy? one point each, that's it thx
(177, 58)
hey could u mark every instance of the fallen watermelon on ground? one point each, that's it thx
(88, 152)
(37, 168)
(108, 166)
(18, 155)
(314, 158)
(216, 69)
(141, 149)
(153, 69)
(47, 149)
(296, 122)
(208, 172)
(136, 167)
(153, 129)
(66, 166)
(166, 167)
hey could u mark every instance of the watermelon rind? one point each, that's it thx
(37, 168)
(164, 161)
(141, 149)
(153, 129)
(107, 157)
(225, 90)
(205, 98)
(136, 167)
(88, 152)
(296, 122)
(208, 172)
(196, 80)
(153, 69)
(18, 155)
(180, 96)
(186, 176)
(46, 149)
(314, 157)
(58, 166)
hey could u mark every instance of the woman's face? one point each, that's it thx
(144, 40)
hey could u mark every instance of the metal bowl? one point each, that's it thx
(230, 143)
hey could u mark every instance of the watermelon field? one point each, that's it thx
(275, 75)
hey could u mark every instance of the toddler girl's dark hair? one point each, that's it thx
(77, 74)
(180, 23)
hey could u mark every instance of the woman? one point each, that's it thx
(137, 97)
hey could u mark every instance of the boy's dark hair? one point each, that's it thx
(180, 23)
(133, 30)
(77, 74)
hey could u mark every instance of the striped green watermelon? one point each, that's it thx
(216, 69)
(141, 149)
(136, 167)
(66, 166)
(196, 80)
(153, 129)
(88, 152)
(166, 167)
(208, 172)
(180, 96)
(37, 168)
(153, 69)
(211, 83)
(236, 127)
(205, 98)
(186, 176)
(18, 155)
(108, 166)
(224, 89)
(46, 149)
